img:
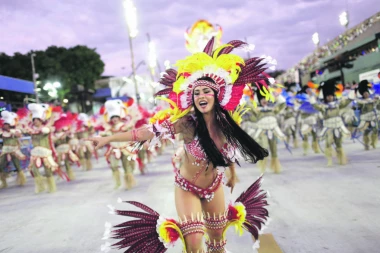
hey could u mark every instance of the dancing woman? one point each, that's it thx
(267, 128)
(308, 120)
(333, 126)
(212, 83)
(10, 151)
(368, 116)
(43, 147)
(119, 121)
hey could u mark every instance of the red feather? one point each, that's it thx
(102, 110)
(57, 109)
(130, 102)
(22, 112)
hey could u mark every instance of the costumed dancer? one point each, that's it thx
(10, 151)
(368, 115)
(74, 141)
(61, 138)
(212, 83)
(307, 121)
(333, 126)
(267, 128)
(348, 113)
(141, 117)
(43, 148)
(115, 112)
(290, 125)
(86, 149)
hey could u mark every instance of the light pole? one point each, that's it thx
(152, 60)
(343, 19)
(34, 77)
(131, 17)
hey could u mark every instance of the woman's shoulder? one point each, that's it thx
(186, 124)
(189, 118)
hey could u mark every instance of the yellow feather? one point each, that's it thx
(177, 84)
(237, 115)
(173, 114)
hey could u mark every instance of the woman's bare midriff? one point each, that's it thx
(190, 172)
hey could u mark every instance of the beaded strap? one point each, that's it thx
(134, 135)
(216, 246)
(192, 226)
(215, 222)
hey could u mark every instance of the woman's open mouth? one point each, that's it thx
(203, 104)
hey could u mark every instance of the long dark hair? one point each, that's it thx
(247, 146)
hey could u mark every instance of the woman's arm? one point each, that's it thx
(164, 130)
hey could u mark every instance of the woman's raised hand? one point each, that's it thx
(99, 141)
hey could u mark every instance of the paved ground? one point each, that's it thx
(313, 208)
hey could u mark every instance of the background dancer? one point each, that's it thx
(333, 126)
(10, 151)
(43, 148)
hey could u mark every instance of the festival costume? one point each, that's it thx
(86, 149)
(141, 117)
(348, 114)
(120, 151)
(333, 126)
(368, 116)
(307, 119)
(61, 138)
(43, 148)
(11, 151)
(267, 129)
(150, 232)
(290, 125)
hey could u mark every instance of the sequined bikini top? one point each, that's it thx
(194, 148)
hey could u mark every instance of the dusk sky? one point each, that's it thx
(279, 28)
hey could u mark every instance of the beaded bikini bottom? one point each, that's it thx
(207, 193)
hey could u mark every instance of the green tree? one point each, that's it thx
(77, 65)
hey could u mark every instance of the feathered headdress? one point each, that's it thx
(229, 72)
(262, 90)
(83, 120)
(40, 111)
(64, 122)
(364, 86)
(200, 33)
(10, 118)
(327, 88)
(116, 107)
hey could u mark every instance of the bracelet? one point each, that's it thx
(134, 135)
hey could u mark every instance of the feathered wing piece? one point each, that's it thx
(147, 232)
(249, 212)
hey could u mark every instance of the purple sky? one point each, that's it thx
(279, 28)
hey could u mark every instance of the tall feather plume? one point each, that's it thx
(234, 44)
(209, 47)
